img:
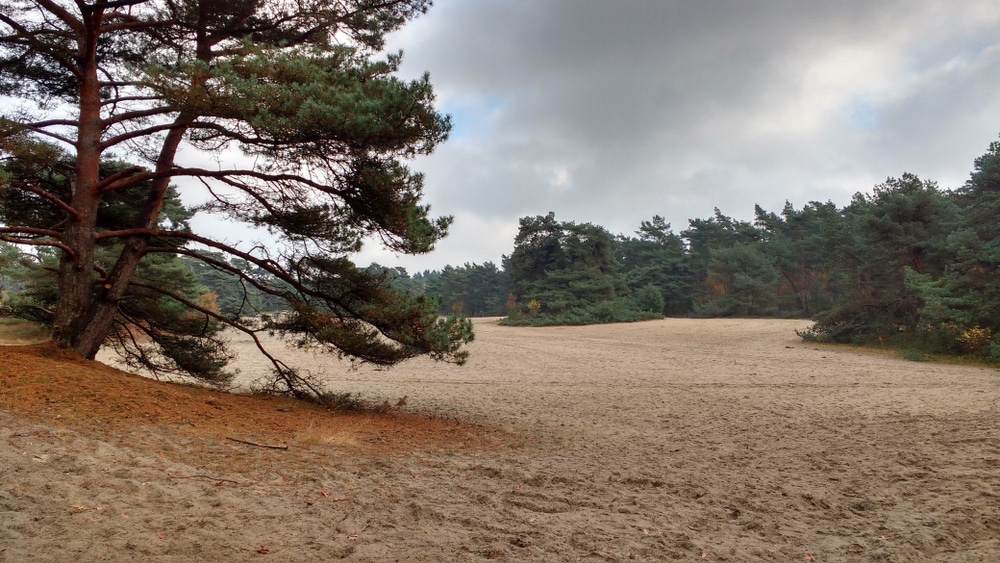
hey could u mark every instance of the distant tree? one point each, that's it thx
(477, 290)
(966, 295)
(705, 236)
(12, 261)
(802, 245)
(235, 296)
(904, 225)
(657, 257)
(570, 270)
(538, 249)
(745, 282)
(650, 299)
(296, 87)
(563, 265)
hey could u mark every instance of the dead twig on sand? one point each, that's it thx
(249, 443)
(209, 477)
(355, 535)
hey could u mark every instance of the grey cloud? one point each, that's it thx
(610, 112)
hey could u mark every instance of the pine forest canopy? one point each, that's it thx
(907, 264)
(107, 93)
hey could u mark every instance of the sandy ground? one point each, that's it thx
(694, 440)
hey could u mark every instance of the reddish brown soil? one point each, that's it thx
(43, 383)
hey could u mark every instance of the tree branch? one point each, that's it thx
(61, 13)
(249, 443)
(122, 99)
(134, 25)
(48, 197)
(282, 370)
(136, 115)
(217, 264)
(53, 122)
(267, 265)
(223, 174)
(31, 231)
(137, 133)
(107, 184)
(32, 42)
(37, 242)
(49, 134)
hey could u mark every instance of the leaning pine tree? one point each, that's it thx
(298, 87)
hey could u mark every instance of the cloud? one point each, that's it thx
(610, 112)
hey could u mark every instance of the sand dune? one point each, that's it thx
(707, 440)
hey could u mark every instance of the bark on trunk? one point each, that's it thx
(102, 311)
(85, 312)
(76, 271)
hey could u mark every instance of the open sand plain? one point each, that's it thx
(681, 439)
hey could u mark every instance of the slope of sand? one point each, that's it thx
(707, 440)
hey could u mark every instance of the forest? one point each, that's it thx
(909, 265)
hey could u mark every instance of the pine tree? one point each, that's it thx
(298, 88)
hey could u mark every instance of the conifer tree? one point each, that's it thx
(298, 88)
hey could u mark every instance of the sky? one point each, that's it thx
(610, 112)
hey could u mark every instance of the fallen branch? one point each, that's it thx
(209, 477)
(249, 443)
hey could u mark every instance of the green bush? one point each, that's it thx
(940, 338)
(992, 353)
(613, 311)
(650, 299)
(913, 355)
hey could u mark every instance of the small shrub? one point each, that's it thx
(341, 401)
(974, 341)
(606, 312)
(940, 338)
(650, 299)
(807, 335)
(913, 355)
(616, 311)
(992, 353)
(534, 307)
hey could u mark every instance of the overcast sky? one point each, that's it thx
(612, 111)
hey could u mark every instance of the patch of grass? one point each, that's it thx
(602, 312)
(913, 355)
(342, 401)
(324, 436)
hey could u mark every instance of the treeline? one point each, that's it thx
(909, 263)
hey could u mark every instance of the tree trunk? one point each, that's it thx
(76, 271)
(102, 310)
(85, 313)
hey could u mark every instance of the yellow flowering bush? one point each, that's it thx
(975, 340)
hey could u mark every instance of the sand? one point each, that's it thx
(692, 440)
